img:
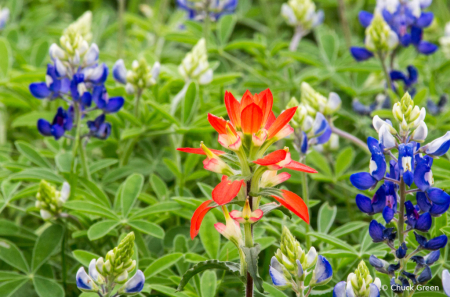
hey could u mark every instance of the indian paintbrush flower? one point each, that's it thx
(105, 274)
(291, 265)
(195, 66)
(200, 9)
(411, 166)
(50, 201)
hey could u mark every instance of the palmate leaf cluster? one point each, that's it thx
(152, 189)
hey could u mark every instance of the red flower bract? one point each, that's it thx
(198, 216)
(294, 203)
(226, 190)
(198, 151)
(282, 159)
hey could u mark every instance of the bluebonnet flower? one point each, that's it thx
(358, 284)
(200, 9)
(77, 77)
(411, 166)
(195, 66)
(302, 15)
(140, 77)
(381, 102)
(409, 79)
(446, 282)
(4, 17)
(437, 108)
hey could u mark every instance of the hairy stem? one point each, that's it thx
(137, 100)
(350, 137)
(84, 162)
(77, 136)
(63, 257)
(296, 39)
(305, 197)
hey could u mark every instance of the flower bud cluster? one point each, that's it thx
(316, 102)
(104, 274)
(291, 265)
(379, 36)
(140, 77)
(195, 66)
(358, 284)
(302, 14)
(50, 201)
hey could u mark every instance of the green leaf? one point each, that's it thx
(333, 241)
(173, 167)
(251, 258)
(31, 154)
(208, 283)
(348, 228)
(5, 53)
(274, 292)
(319, 163)
(131, 189)
(336, 253)
(7, 289)
(47, 287)
(8, 189)
(209, 236)
(167, 291)
(91, 208)
(46, 245)
(100, 229)
(162, 264)
(101, 164)
(164, 206)
(189, 102)
(344, 160)
(225, 28)
(84, 257)
(10, 254)
(164, 113)
(96, 191)
(230, 267)
(147, 228)
(36, 174)
(327, 214)
(159, 187)
(63, 161)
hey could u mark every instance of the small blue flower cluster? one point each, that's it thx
(79, 82)
(215, 9)
(412, 166)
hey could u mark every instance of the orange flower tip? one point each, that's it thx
(198, 151)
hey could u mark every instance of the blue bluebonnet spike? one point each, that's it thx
(401, 251)
(439, 146)
(214, 9)
(322, 272)
(134, 285)
(432, 244)
(446, 282)
(409, 80)
(362, 109)
(120, 72)
(98, 128)
(103, 102)
(84, 282)
(360, 53)
(365, 18)
(340, 289)
(406, 162)
(379, 233)
(52, 88)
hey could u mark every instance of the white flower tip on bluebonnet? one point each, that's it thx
(121, 278)
(439, 146)
(311, 258)
(322, 272)
(91, 56)
(377, 282)
(288, 14)
(349, 288)
(385, 137)
(45, 215)
(99, 264)
(4, 17)
(155, 70)
(319, 17)
(421, 132)
(299, 268)
(65, 192)
(389, 5)
(340, 289)
(84, 282)
(93, 272)
(120, 72)
(134, 285)
(446, 282)
(61, 70)
(374, 290)
(56, 52)
(333, 104)
(418, 118)
(307, 124)
(96, 74)
(206, 78)
(129, 88)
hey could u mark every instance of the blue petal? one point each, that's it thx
(362, 180)
(136, 283)
(84, 282)
(104, 131)
(57, 131)
(421, 240)
(413, 75)
(339, 289)
(364, 204)
(424, 222)
(360, 53)
(427, 48)
(439, 209)
(379, 161)
(425, 276)
(323, 271)
(388, 214)
(98, 96)
(416, 35)
(438, 196)
(375, 262)
(365, 18)
(299, 268)
(432, 257)
(304, 147)
(405, 40)
(446, 282)
(325, 135)
(408, 177)
(422, 172)
(386, 15)
(39, 90)
(401, 251)
(379, 199)
(374, 291)
(86, 99)
(114, 104)
(436, 243)
(376, 231)
(120, 72)
(398, 75)
(278, 278)
(44, 127)
(425, 19)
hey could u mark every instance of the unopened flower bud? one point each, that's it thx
(195, 65)
(379, 36)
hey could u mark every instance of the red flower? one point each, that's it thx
(294, 203)
(222, 194)
(282, 159)
(198, 151)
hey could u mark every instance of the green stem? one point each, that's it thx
(77, 137)
(248, 235)
(137, 100)
(63, 256)
(350, 137)
(121, 39)
(84, 162)
(385, 70)
(401, 218)
(306, 199)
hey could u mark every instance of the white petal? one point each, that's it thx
(288, 14)
(91, 56)
(385, 137)
(334, 103)
(155, 70)
(206, 78)
(45, 214)
(65, 192)
(446, 282)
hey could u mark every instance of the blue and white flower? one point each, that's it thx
(195, 66)
(322, 273)
(134, 285)
(140, 77)
(432, 244)
(446, 282)
(302, 15)
(198, 10)
(4, 17)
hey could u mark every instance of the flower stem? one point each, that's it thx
(248, 235)
(121, 39)
(350, 137)
(305, 197)
(137, 100)
(77, 136)
(344, 23)
(401, 217)
(84, 162)
(296, 39)
(63, 256)
(385, 70)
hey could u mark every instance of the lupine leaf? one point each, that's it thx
(131, 189)
(162, 264)
(209, 236)
(10, 253)
(47, 287)
(31, 154)
(100, 229)
(8, 288)
(84, 257)
(46, 245)
(91, 208)
(326, 217)
(147, 228)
